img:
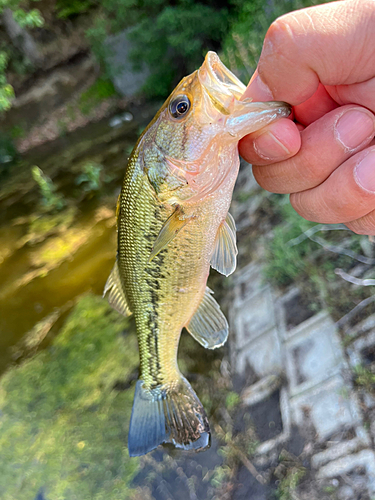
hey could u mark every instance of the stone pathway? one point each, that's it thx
(305, 365)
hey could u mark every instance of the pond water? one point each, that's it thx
(49, 259)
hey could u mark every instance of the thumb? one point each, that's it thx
(331, 44)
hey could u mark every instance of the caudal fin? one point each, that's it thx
(167, 414)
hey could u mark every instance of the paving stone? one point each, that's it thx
(255, 317)
(329, 408)
(260, 390)
(334, 452)
(357, 350)
(263, 355)
(344, 465)
(284, 436)
(248, 282)
(345, 493)
(313, 353)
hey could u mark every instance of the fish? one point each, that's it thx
(173, 225)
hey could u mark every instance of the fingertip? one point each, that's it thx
(257, 90)
(276, 142)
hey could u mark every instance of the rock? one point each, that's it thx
(126, 80)
(21, 38)
(345, 493)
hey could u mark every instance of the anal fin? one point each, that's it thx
(209, 326)
(224, 258)
(116, 296)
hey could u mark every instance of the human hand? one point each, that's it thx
(321, 60)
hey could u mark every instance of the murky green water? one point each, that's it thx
(43, 269)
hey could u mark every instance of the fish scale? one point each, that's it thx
(173, 224)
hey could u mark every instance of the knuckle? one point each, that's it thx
(280, 36)
(280, 46)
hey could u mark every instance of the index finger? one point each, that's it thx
(330, 43)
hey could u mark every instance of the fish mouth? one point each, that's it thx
(221, 85)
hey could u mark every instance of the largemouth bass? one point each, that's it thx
(173, 224)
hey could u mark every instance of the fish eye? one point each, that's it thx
(179, 106)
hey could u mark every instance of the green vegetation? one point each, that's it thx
(67, 9)
(243, 43)
(290, 474)
(102, 89)
(308, 254)
(89, 180)
(26, 19)
(364, 377)
(63, 427)
(51, 200)
(170, 39)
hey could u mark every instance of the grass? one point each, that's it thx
(364, 378)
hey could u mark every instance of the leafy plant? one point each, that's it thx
(170, 38)
(50, 199)
(89, 180)
(100, 90)
(26, 19)
(71, 8)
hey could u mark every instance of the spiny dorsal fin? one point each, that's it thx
(170, 229)
(116, 296)
(224, 257)
(208, 325)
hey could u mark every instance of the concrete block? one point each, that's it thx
(313, 353)
(335, 452)
(263, 355)
(255, 317)
(328, 406)
(247, 283)
(284, 436)
(344, 465)
(260, 390)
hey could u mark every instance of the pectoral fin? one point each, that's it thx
(172, 226)
(116, 296)
(209, 326)
(224, 258)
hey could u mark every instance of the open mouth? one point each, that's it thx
(219, 82)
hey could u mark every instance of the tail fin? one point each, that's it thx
(167, 414)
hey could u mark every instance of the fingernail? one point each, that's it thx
(365, 172)
(258, 90)
(269, 147)
(354, 127)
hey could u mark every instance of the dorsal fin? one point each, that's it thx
(170, 229)
(224, 258)
(209, 326)
(116, 296)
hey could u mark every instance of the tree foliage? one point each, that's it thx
(31, 18)
(171, 38)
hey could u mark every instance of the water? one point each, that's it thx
(38, 275)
